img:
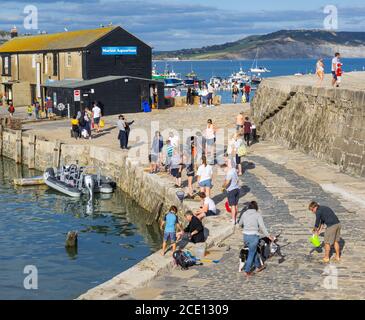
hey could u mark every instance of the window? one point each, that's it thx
(55, 64)
(6, 66)
(68, 60)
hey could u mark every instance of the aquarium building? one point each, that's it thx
(75, 68)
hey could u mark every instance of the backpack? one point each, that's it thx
(183, 260)
(242, 151)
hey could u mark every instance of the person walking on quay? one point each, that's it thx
(247, 131)
(49, 107)
(210, 138)
(30, 111)
(332, 235)
(210, 95)
(252, 223)
(320, 71)
(189, 161)
(231, 185)
(37, 109)
(156, 149)
(254, 132)
(235, 93)
(240, 120)
(87, 116)
(334, 64)
(205, 177)
(235, 151)
(168, 152)
(11, 110)
(177, 167)
(122, 136)
(75, 128)
(189, 97)
(96, 116)
(170, 224)
(247, 89)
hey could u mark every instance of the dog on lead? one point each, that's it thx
(266, 249)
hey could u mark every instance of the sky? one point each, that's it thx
(177, 24)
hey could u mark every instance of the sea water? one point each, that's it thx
(114, 235)
(224, 68)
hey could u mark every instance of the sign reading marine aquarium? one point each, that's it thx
(119, 51)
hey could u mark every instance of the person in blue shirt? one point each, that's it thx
(171, 223)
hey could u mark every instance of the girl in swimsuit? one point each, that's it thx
(320, 71)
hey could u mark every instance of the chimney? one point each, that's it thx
(14, 32)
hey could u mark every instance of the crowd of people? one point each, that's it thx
(170, 157)
(84, 121)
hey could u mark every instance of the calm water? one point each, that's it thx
(34, 222)
(224, 68)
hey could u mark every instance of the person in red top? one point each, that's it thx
(247, 91)
(339, 73)
(247, 130)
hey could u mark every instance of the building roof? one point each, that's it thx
(76, 83)
(54, 42)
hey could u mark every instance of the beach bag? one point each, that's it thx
(102, 123)
(244, 100)
(242, 151)
(183, 260)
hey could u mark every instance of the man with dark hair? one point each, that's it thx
(335, 62)
(195, 229)
(325, 215)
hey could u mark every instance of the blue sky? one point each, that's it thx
(176, 24)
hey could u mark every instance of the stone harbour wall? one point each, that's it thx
(151, 192)
(328, 123)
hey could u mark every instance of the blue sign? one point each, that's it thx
(119, 51)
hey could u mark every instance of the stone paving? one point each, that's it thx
(283, 196)
(283, 182)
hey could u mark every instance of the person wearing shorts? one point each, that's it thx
(231, 185)
(205, 177)
(332, 235)
(176, 168)
(208, 209)
(334, 64)
(171, 223)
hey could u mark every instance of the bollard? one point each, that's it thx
(31, 152)
(18, 147)
(56, 154)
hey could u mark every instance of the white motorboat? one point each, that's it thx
(75, 181)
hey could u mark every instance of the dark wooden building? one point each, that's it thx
(101, 63)
(115, 94)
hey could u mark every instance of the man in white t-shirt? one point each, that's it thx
(96, 116)
(208, 209)
(334, 64)
(174, 140)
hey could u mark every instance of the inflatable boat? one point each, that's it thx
(75, 181)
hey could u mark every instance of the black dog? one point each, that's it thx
(266, 250)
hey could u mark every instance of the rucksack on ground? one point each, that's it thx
(183, 260)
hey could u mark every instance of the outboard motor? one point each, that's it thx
(89, 185)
